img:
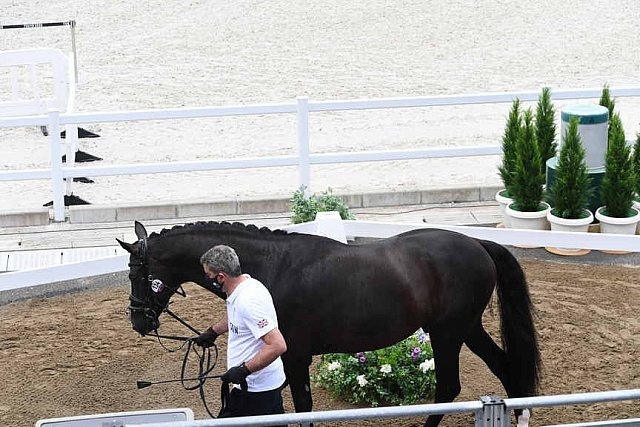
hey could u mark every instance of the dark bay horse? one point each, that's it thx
(337, 298)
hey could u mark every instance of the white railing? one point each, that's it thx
(488, 411)
(303, 160)
(330, 225)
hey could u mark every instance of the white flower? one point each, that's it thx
(385, 369)
(427, 365)
(333, 366)
(362, 381)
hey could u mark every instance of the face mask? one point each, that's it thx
(213, 283)
(215, 287)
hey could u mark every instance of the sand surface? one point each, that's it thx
(76, 354)
(161, 54)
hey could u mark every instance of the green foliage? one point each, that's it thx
(304, 209)
(619, 178)
(636, 165)
(401, 374)
(528, 178)
(546, 127)
(569, 195)
(607, 101)
(511, 132)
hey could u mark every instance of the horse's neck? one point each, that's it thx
(259, 254)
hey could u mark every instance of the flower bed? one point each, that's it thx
(401, 374)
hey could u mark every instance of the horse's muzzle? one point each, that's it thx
(142, 321)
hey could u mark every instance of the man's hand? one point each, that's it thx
(207, 338)
(236, 375)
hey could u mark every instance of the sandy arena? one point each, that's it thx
(77, 354)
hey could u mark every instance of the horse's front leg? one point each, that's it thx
(297, 371)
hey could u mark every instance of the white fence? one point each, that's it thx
(330, 225)
(490, 411)
(58, 172)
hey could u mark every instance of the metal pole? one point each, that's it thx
(304, 173)
(72, 24)
(57, 182)
(494, 413)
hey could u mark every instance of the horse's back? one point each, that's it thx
(381, 291)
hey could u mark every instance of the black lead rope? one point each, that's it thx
(205, 364)
(175, 316)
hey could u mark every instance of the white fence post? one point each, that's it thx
(329, 224)
(302, 117)
(57, 183)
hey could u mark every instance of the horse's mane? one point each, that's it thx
(204, 226)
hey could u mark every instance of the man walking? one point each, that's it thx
(254, 342)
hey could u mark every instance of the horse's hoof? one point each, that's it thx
(523, 419)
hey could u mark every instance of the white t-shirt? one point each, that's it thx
(252, 315)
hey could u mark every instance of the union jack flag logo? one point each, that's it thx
(261, 324)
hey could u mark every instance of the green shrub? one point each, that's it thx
(569, 195)
(607, 101)
(528, 179)
(509, 139)
(401, 374)
(619, 177)
(304, 208)
(546, 128)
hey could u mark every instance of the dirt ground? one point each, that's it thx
(77, 354)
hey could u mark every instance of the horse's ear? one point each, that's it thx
(129, 247)
(141, 232)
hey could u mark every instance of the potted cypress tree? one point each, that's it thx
(527, 209)
(606, 100)
(618, 214)
(506, 168)
(546, 127)
(569, 193)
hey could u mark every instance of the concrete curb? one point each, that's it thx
(83, 214)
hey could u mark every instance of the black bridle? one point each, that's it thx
(151, 309)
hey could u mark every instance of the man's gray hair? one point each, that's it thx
(222, 258)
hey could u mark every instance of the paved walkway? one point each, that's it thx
(61, 243)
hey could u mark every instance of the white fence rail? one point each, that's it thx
(330, 225)
(490, 411)
(303, 160)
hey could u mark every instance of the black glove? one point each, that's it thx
(236, 375)
(207, 338)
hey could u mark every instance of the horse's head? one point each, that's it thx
(152, 284)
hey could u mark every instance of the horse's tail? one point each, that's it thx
(519, 337)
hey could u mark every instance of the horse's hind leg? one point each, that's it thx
(481, 343)
(446, 345)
